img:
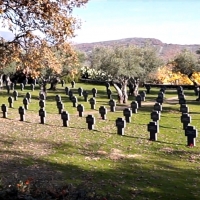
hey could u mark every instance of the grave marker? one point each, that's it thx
(103, 112)
(42, 114)
(70, 93)
(90, 120)
(94, 92)
(148, 88)
(22, 112)
(157, 107)
(80, 109)
(74, 101)
(127, 112)
(62, 83)
(139, 100)
(85, 95)
(134, 106)
(67, 90)
(80, 91)
(4, 109)
(15, 95)
(25, 102)
(185, 120)
(60, 106)
(28, 96)
(120, 124)
(109, 93)
(184, 108)
(92, 102)
(153, 128)
(65, 117)
(42, 103)
(10, 102)
(143, 95)
(191, 134)
(8, 89)
(73, 84)
(112, 104)
(155, 116)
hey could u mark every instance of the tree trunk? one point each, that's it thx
(122, 92)
(133, 85)
(53, 84)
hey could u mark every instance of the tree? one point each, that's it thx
(186, 62)
(123, 65)
(40, 29)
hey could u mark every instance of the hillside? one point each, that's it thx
(166, 51)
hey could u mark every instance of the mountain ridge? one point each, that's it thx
(165, 51)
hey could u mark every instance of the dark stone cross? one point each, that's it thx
(103, 112)
(143, 95)
(62, 83)
(92, 102)
(185, 120)
(148, 88)
(155, 116)
(80, 91)
(8, 89)
(138, 98)
(90, 120)
(22, 112)
(85, 95)
(184, 108)
(109, 93)
(57, 98)
(94, 92)
(112, 104)
(157, 107)
(15, 95)
(67, 90)
(28, 96)
(60, 106)
(4, 109)
(182, 101)
(73, 84)
(153, 129)
(42, 96)
(80, 109)
(127, 112)
(134, 106)
(70, 93)
(25, 102)
(191, 134)
(120, 124)
(74, 101)
(42, 114)
(42, 103)
(65, 117)
(10, 102)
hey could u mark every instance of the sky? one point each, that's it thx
(171, 21)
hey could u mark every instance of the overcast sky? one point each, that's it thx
(171, 21)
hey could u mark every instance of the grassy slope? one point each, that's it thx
(126, 167)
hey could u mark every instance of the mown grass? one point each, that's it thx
(116, 167)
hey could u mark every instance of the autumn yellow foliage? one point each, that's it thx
(165, 75)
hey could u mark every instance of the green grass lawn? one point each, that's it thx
(114, 166)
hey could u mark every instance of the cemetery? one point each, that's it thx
(148, 147)
(104, 120)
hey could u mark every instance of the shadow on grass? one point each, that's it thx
(126, 177)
